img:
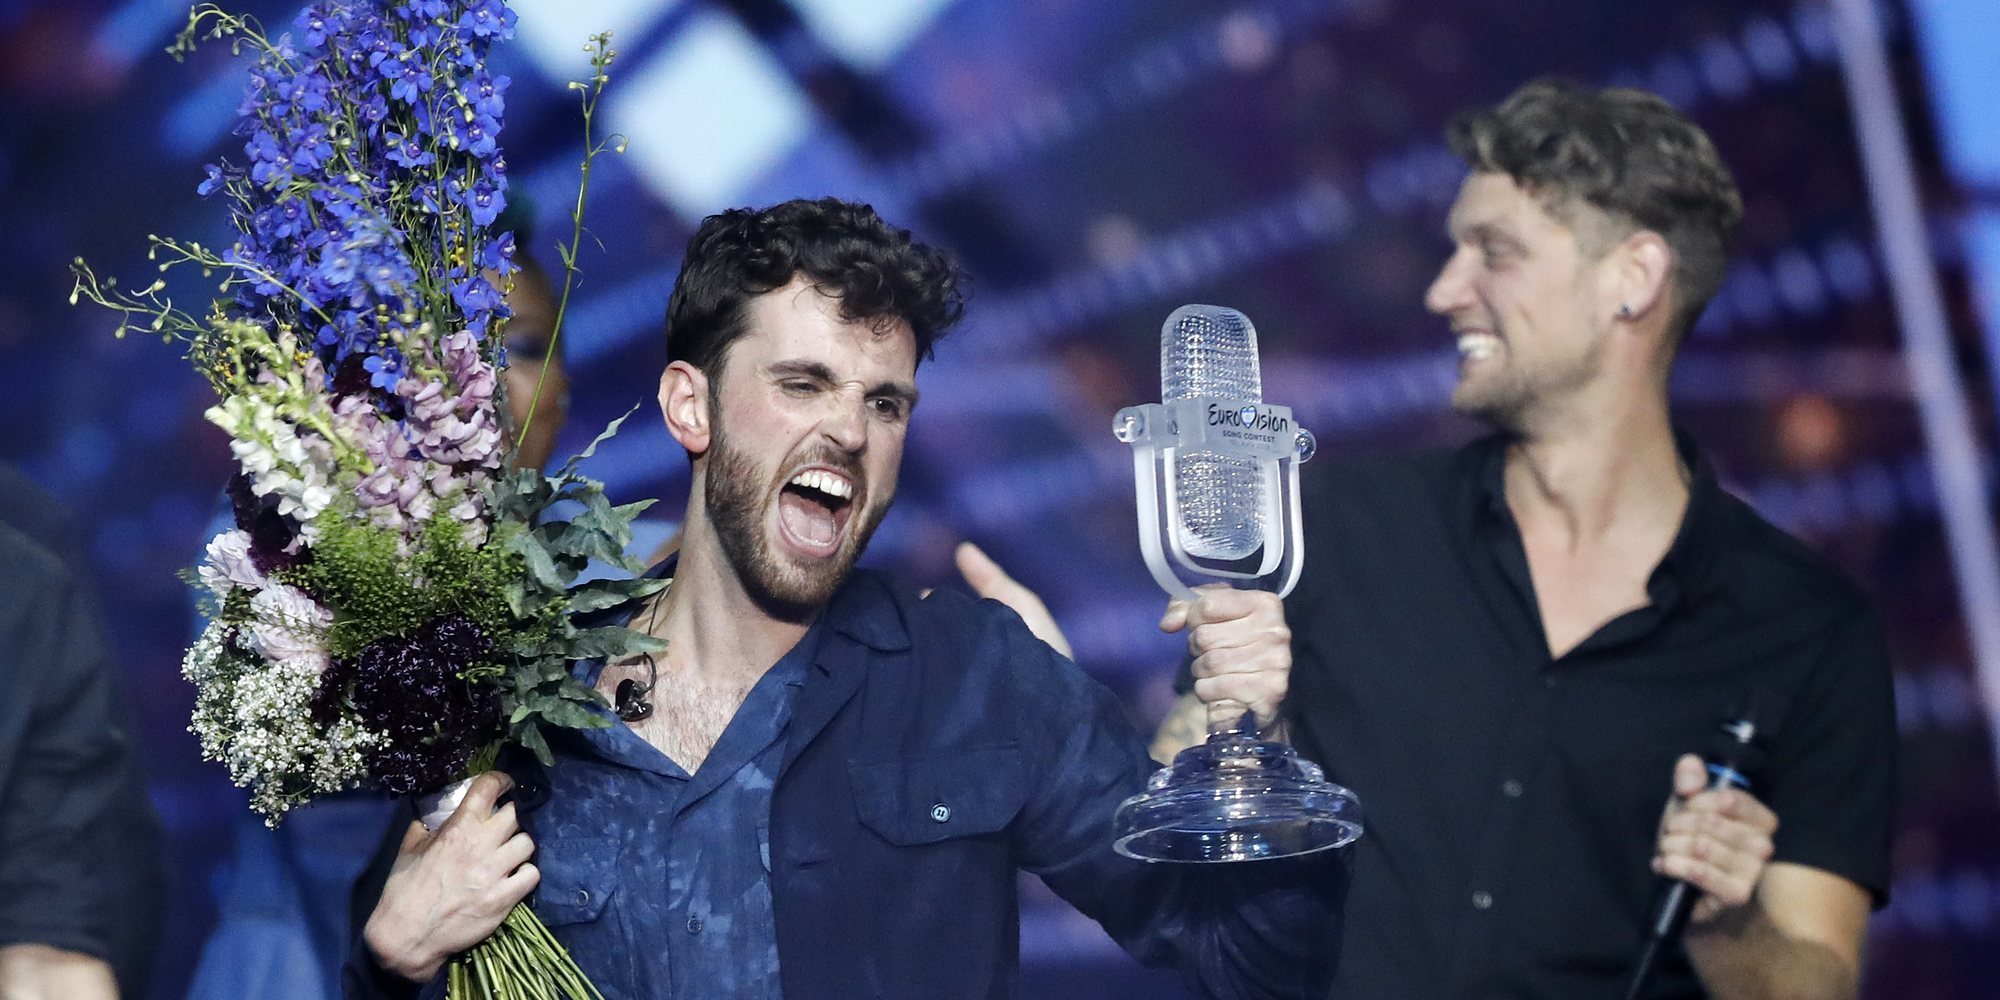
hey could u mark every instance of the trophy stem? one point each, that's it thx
(1231, 718)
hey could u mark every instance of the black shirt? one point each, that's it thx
(80, 861)
(1512, 799)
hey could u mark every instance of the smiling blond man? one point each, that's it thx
(1508, 649)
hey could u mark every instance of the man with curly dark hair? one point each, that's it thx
(1509, 648)
(825, 787)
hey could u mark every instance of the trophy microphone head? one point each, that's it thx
(1212, 351)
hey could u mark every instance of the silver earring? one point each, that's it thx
(1624, 312)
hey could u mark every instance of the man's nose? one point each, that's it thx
(846, 427)
(1451, 290)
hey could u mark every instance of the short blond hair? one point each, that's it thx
(1625, 152)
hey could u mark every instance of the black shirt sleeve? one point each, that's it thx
(61, 761)
(1833, 774)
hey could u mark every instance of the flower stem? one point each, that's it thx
(600, 57)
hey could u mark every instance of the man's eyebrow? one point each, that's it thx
(820, 372)
(800, 369)
(1458, 229)
(1483, 232)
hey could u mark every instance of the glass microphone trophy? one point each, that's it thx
(1218, 490)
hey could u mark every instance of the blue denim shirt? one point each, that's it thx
(934, 750)
(690, 915)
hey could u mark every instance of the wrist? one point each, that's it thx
(1728, 922)
(393, 950)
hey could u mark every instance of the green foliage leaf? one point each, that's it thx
(541, 566)
(529, 736)
(600, 594)
(612, 642)
(570, 715)
(569, 467)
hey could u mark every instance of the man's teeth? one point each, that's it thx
(826, 482)
(1476, 346)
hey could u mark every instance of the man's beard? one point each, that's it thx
(1506, 400)
(733, 494)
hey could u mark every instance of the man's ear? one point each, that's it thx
(684, 403)
(1645, 263)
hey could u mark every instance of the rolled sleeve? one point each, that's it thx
(1263, 929)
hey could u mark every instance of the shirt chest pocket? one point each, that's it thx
(940, 797)
(576, 901)
(578, 877)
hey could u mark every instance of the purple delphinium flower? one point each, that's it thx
(384, 370)
(488, 93)
(402, 141)
(486, 19)
(486, 200)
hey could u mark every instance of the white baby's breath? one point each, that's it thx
(255, 715)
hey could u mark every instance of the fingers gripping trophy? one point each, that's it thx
(1218, 489)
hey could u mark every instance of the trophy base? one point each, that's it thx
(1236, 798)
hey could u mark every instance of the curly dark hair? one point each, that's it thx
(1625, 152)
(876, 270)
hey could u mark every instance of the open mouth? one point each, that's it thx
(813, 509)
(1476, 346)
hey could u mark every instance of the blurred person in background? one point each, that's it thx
(824, 786)
(284, 926)
(1507, 649)
(81, 870)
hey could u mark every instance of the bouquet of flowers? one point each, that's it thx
(393, 607)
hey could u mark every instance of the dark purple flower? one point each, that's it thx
(271, 533)
(351, 377)
(409, 689)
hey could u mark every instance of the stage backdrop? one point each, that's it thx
(1095, 163)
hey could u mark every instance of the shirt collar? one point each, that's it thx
(865, 610)
(1689, 568)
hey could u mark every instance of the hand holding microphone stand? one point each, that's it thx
(1218, 501)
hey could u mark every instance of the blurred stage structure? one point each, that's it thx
(1096, 163)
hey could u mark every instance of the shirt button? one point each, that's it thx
(1511, 788)
(694, 925)
(1549, 681)
(583, 897)
(1482, 900)
(940, 813)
